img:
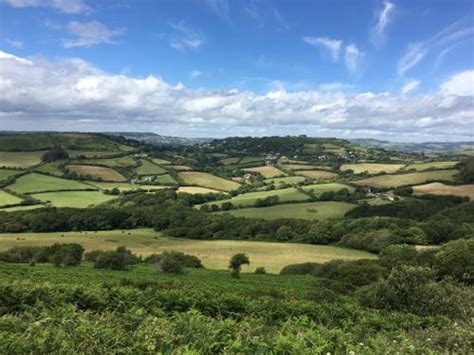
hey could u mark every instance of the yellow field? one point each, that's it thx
(197, 190)
(207, 180)
(20, 159)
(267, 171)
(292, 167)
(228, 161)
(75, 199)
(100, 172)
(123, 186)
(371, 168)
(433, 165)
(179, 167)
(389, 181)
(316, 174)
(437, 188)
(215, 254)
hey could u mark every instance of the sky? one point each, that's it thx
(385, 69)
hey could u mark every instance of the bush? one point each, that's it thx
(355, 272)
(236, 263)
(22, 254)
(186, 260)
(171, 263)
(300, 269)
(373, 241)
(54, 154)
(456, 259)
(398, 255)
(260, 270)
(115, 260)
(57, 254)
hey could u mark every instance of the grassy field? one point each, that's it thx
(165, 179)
(372, 168)
(433, 165)
(388, 181)
(21, 208)
(77, 199)
(180, 167)
(99, 172)
(123, 186)
(208, 180)
(437, 188)
(20, 159)
(148, 168)
(318, 189)
(160, 161)
(8, 199)
(6, 173)
(38, 182)
(121, 162)
(215, 254)
(228, 161)
(90, 153)
(267, 171)
(197, 190)
(286, 180)
(293, 167)
(246, 160)
(316, 174)
(305, 210)
(49, 168)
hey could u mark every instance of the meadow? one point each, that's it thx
(123, 186)
(8, 199)
(160, 161)
(437, 188)
(207, 180)
(98, 172)
(228, 161)
(20, 160)
(372, 168)
(165, 179)
(293, 167)
(148, 168)
(267, 171)
(249, 159)
(318, 189)
(49, 168)
(179, 167)
(396, 180)
(214, 254)
(6, 173)
(306, 210)
(432, 165)
(120, 162)
(286, 180)
(316, 174)
(76, 199)
(197, 190)
(35, 182)
(21, 208)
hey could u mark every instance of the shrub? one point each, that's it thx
(300, 269)
(171, 263)
(186, 260)
(355, 272)
(54, 154)
(373, 241)
(456, 259)
(397, 255)
(115, 260)
(65, 254)
(260, 270)
(236, 263)
(21, 254)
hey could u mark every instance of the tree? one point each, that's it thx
(398, 255)
(456, 259)
(236, 263)
(54, 154)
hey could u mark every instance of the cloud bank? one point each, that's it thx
(71, 94)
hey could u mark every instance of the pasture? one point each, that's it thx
(215, 254)
(75, 199)
(285, 195)
(98, 172)
(35, 182)
(148, 168)
(267, 171)
(160, 161)
(49, 168)
(432, 165)
(20, 160)
(6, 173)
(391, 181)
(228, 161)
(316, 174)
(8, 199)
(286, 180)
(305, 210)
(165, 179)
(318, 189)
(207, 180)
(120, 162)
(90, 153)
(371, 168)
(197, 190)
(123, 186)
(437, 188)
(21, 208)
(180, 167)
(293, 167)
(249, 159)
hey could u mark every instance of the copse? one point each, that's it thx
(57, 254)
(236, 263)
(54, 154)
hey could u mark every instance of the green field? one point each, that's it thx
(50, 168)
(120, 162)
(286, 180)
(123, 186)
(90, 153)
(285, 195)
(38, 182)
(8, 199)
(316, 174)
(267, 171)
(20, 159)
(197, 190)
(372, 168)
(6, 173)
(148, 168)
(215, 254)
(207, 180)
(160, 161)
(179, 167)
(305, 210)
(389, 181)
(231, 160)
(318, 189)
(433, 165)
(76, 199)
(293, 167)
(165, 179)
(21, 208)
(97, 172)
(246, 160)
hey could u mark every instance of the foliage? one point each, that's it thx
(119, 259)
(174, 261)
(456, 259)
(54, 154)
(236, 263)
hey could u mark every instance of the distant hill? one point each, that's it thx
(428, 147)
(156, 139)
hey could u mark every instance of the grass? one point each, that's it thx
(8, 199)
(122, 186)
(207, 180)
(249, 159)
(305, 210)
(432, 165)
(318, 189)
(390, 181)
(286, 180)
(50, 168)
(372, 168)
(437, 188)
(285, 195)
(20, 208)
(197, 190)
(38, 182)
(267, 171)
(149, 168)
(316, 174)
(120, 162)
(160, 161)
(215, 254)
(99, 172)
(6, 173)
(165, 179)
(90, 153)
(228, 161)
(180, 167)
(20, 159)
(293, 167)
(76, 199)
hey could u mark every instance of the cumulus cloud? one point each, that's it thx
(89, 33)
(65, 6)
(410, 86)
(333, 45)
(72, 94)
(461, 84)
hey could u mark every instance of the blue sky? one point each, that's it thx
(218, 67)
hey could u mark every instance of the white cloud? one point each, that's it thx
(183, 37)
(15, 43)
(410, 86)
(352, 57)
(90, 33)
(461, 84)
(65, 6)
(196, 74)
(383, 19)
(221, 8)
(36, 93)
(333, 45)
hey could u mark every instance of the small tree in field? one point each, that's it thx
(236, 263)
